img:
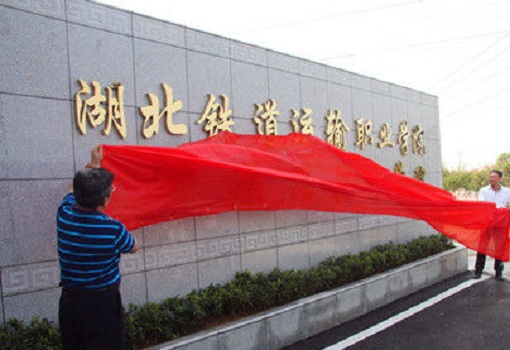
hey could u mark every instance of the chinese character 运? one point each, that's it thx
(302, 124)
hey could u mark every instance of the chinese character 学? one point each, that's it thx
(336, 129)
(302, 124)
(363, 133)
(152, 114)
(385, 135)
(265, 118)
(92, 108)
(418, 146)
(403, 137)
(217, 116)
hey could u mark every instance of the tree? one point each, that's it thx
(473, 180)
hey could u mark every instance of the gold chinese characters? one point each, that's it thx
(94, 107)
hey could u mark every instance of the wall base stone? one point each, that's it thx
(309, 316)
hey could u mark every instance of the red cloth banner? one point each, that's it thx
(231, 172)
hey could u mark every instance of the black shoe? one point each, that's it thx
(499, 278)
(477, 275)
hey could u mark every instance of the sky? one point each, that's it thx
(458, 50)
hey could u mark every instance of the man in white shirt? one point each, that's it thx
(499, 195)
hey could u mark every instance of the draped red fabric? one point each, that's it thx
(252, 172)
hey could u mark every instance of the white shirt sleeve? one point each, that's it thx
(481, 195)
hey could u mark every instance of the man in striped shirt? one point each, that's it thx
(89, 247)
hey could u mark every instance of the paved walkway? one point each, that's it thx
(460, 313)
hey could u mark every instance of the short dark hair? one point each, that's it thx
(92, 186)
(497, 172)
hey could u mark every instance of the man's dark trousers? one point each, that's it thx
(480, 265)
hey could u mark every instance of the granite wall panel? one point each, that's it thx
(207, 75)
(50, 8)
(259, 261)
(249, 87)
(158, 31)
(34, 55)
(30, 148)
(99, 16)
(156, 64)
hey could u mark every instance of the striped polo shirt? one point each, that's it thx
(89, 246)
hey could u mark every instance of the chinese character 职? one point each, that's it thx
(363, 133)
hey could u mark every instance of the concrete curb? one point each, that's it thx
(309, 316)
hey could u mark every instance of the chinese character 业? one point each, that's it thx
(385, 135)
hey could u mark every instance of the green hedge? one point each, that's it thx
(246, 294)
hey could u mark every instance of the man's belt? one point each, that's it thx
(111, 288)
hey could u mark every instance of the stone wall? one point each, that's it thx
(48, 45)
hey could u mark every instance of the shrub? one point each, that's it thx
(37, 335)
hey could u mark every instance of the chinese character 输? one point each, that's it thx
(336, 129)
(302, 124)
(418, 146)
(363, 133)
(403, 136)
(92, 109)
(217, 116)
(153, 116)
(385, 135)
(265, 118)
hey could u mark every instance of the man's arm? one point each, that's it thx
(135, 247)
(96, 155)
